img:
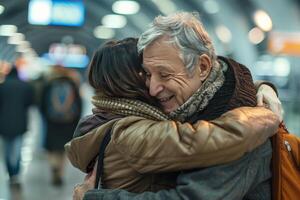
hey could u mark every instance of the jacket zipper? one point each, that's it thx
(289, 149)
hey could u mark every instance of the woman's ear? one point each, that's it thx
(205, 65)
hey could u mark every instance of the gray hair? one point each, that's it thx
(186, 31)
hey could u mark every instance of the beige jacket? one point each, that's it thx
(141, 149)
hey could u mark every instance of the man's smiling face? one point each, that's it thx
(167, 77)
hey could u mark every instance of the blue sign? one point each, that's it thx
(56, 12)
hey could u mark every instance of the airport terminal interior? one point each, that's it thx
(36, 35)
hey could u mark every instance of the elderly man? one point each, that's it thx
(192, 83)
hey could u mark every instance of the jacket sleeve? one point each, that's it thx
(243, 178)
(118, 194)
(151, 146)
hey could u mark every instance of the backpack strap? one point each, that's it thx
(102, 148)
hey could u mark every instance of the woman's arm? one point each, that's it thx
(151, 146)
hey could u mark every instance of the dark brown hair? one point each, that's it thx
(116, 71)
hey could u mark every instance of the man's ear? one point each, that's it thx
(205, 65)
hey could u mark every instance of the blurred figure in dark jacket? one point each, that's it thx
(61, 110)
(15, 98)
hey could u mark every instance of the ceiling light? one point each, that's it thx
(24, 44)
(282, 67)
(263, 68)
(256, 35)
(211, 6)
(8, 30)
(223, 33)
(30, 53)
(40, 12)
(16, 38)
(263, 20)
(1, 9)
(126, 7)
(165, 6)
(22, 49)
(103, 32)
(114, 21)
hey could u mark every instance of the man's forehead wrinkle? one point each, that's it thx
(155, 60)
(159, 59)
(152, 54)
(160, 64)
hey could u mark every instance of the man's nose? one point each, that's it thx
(155, 87)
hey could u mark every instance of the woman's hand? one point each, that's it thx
(88, 184)
(268, 98)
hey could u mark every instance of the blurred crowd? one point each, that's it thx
(56, 96)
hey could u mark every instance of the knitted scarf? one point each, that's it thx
(237, 90)
(127, 107)
(200, 99)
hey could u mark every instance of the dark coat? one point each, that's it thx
(15, 98)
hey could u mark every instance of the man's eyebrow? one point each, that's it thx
(165, 68)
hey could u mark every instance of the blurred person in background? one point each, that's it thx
(61, 110)
(16, 96)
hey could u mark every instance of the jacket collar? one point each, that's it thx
(89, 122)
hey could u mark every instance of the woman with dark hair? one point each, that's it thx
(121, 73)
(146, 145)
